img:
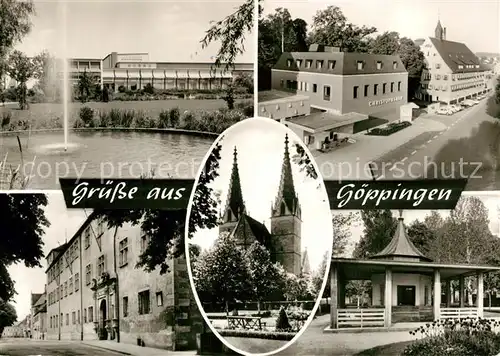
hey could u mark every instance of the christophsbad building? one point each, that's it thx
(94, 291)
(453, 72)
(342, 82)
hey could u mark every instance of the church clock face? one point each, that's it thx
(273, 237)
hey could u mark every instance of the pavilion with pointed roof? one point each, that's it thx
(283, 240)
(406, 286)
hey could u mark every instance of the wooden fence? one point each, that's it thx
(360, 318)
(458, 313)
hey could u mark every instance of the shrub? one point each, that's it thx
(466, 337)
(188, 121)
(246, 107)
(149, 89)
(269, 335)
(163, 119)
(282, 323)
(174, 117)
(6, 118)
(493, 107)
(122, 89)
(87, 116)
(389, 129)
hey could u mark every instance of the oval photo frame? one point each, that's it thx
(281, 244)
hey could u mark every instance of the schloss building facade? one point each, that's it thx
(95, 292)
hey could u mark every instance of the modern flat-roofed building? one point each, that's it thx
(135, 70)
(453, 72)
(341, 82)
(94, 291)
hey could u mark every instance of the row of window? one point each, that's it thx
(320, 64)
(453, 88)
(65, 289)
(144, 307)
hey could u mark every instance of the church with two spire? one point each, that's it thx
(284, 238)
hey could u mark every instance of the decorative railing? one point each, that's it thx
(458, 313)
(360, 318)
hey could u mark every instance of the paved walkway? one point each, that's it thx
(134, 350)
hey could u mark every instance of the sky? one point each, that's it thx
(64, 223)
(260, 145)
(491, 201)
(474, 22)
(167, 30)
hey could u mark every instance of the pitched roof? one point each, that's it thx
(250, 229)
(286, 190)
(35, 297)
(455, 54)
(401, 246)
(344, 63)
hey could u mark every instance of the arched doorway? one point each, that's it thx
(103, 334)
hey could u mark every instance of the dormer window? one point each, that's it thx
(299, 63)
(309, 63)
(379, 65)
(361, 65)
(319, 64)
(331, 65)
(277, 108)
(460, 66)
(289, 63)
(394, 65)
(438, 66)
(477, 65)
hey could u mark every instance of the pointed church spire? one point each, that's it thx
(439, 32)
(286, 191)
(235, 197)
(401, 246)
(305, 266)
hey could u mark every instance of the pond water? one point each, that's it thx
(109, 154)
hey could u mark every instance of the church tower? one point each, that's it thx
(440, 32)
(235, 206)
(286, 223)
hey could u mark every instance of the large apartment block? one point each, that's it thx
(95, 291)
(453, 72)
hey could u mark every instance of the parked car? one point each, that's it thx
(445, 111)
(468, 103)
(455, 108)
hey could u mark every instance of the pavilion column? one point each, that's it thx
(388, 297)
(341, 288)
(448, 293)
(334, 290)
(437, 294)
(462, 291)
(480, 295)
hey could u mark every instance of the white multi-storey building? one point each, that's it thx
(453, 72)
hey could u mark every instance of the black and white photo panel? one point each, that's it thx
(258, 238)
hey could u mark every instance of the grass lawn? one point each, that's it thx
(386, 350)
(51, 111)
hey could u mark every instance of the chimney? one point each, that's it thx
(444, 33)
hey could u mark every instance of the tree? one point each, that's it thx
(222, 274)
(319, 276)
(15, 17)
(379, 229)
(194, 252)
(331, 28)
(244, 81)
(21, 68)
(272, 29)
(413, 58)
(44, 72)
(231, 32)
(296, 288)
(86, 82)
(23, 223)
(302, 159)
(358, 289)
(342, 223)
(421, 236)
(263, 273)
(493, 104)
(8, 315)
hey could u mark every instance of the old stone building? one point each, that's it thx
(38, 316)
(95, 292)
(284, 240)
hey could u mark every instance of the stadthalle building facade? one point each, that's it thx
(95, 292)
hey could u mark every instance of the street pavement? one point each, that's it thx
(27, 347)
(462, 145)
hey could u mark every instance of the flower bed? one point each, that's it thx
(389, 129)
(270, 335)
(466, 337)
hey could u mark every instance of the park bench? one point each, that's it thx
(245, 322)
